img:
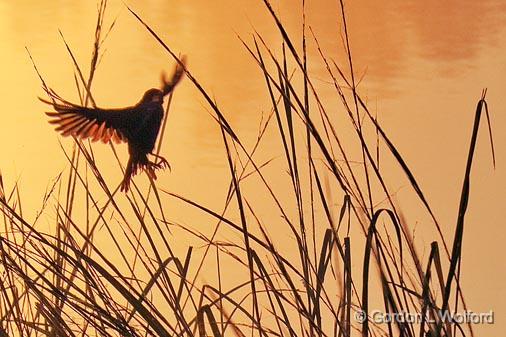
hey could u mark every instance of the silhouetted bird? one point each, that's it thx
(137, 125)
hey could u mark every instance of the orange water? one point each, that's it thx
(423, 66)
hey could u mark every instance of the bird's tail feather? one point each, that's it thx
(135, 164)
(129, 171)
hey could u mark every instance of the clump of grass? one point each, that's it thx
(64, 284)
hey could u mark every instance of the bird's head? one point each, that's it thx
(153, 96)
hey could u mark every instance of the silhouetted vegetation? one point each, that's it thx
(63, 283)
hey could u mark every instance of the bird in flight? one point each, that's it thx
(137, 125)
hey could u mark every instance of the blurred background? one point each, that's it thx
(422, 67)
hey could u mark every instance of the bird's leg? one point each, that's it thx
(163, 163)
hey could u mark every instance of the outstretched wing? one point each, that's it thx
(95, 123)
(168, 85)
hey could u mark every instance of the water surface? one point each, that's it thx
(422, 67)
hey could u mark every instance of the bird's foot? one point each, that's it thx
(162, 164)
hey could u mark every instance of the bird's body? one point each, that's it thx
(137, 125)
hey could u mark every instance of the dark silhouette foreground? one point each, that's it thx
(137, 125)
